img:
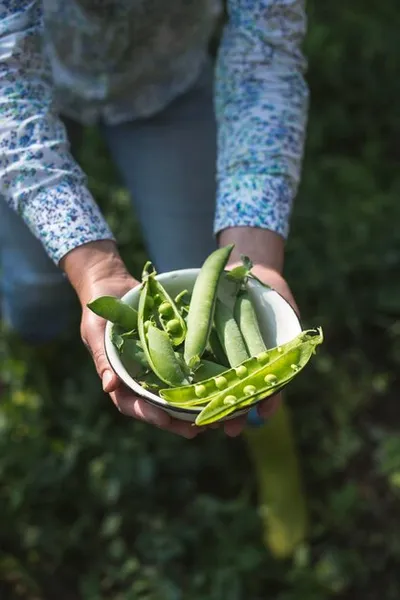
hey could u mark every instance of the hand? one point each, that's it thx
(96, 270)
(265, 249)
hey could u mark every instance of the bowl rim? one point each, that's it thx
(124, 375)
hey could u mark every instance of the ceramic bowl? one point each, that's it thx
(277, 320)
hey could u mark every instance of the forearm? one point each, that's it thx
(261, 100)
(89, 265)
(39, 179)
(264, 247)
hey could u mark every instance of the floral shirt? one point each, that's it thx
(118, 60)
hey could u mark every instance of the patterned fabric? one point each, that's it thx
(118, 60)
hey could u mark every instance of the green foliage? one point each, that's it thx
(95, 506)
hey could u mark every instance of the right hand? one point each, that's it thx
(94, 270)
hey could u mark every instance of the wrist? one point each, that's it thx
(88, 265)
(264, 247)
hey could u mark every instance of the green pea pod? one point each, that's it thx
(202, 304)
(246, 319)
(243, 372)
(165, 310)
(116, 311)
(157, 345)
(229, 335)
(162, 357)
(215, 348)
(261, 384)
(207, 369)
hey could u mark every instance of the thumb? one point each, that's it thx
(92, 332)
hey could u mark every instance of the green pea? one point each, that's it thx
(150, 302)
(116, 311)
(173, 326)
(263, 357)
(221, 382)
(200, 391)
(229, 335)
(249, 390)
(246, 319)
(202, 304)
(229, 400)
(241, 371)
(165, 309)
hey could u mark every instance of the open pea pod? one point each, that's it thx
(157, 345)
(262, 383)
(165, 310)
(212, 386)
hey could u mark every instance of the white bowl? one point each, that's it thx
(277, 320)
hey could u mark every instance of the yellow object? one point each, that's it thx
(281, 498)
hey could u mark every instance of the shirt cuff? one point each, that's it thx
(263, 201)
(64, 217)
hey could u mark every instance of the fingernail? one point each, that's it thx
(107, 378)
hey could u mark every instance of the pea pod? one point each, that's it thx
(165, 311)
(157, 345)
(116, 311)
(246, 319)
(261, 384)
(207, 369)
(242, 373)
(162, 357)
(229, 335)
(215, 348)
(202, 304)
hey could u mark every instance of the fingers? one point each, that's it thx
(132, 406)
(92, 332)
(268, 407)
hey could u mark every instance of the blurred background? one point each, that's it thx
(95, 506)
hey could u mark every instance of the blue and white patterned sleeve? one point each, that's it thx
(38, 176)
(261, 101)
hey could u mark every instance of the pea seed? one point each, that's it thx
(149, 302)
(249, 390)
(241, 371)
(263, 358)
(173, 326)
(270, 379)
(200, 390)
(165, 308)
(229, 400)
(157, 298)
(221, 382)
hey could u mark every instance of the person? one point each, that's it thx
(210, 151)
